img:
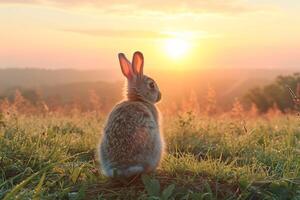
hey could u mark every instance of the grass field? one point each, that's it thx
(54, 157)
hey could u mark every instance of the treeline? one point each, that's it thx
(282, 93)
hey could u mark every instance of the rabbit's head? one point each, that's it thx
(139, 86)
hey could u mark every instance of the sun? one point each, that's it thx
(176, 48)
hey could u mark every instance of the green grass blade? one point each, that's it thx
(38, 189)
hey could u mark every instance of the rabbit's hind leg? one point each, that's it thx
(125, 172)
(131, 171)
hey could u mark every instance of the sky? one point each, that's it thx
(172, 34)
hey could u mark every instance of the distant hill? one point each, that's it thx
(29, 78)
(175, 85)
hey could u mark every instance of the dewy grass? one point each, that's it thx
(54, 157)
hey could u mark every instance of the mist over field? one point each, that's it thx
(69, 85)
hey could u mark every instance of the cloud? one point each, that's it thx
(119, 33)
(19, 2)
(140, 34)
(156, 6)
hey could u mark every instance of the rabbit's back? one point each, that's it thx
(131, 136)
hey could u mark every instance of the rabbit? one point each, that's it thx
(132, 143)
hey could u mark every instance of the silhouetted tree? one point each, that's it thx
(237, 109)
(211, 102)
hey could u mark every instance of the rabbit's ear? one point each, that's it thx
(138, 63)
(125, 66)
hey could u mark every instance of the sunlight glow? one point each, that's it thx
(176, 48)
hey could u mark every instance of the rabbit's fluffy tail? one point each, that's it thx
(126, 172)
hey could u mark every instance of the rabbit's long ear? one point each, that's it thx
(125, 66)
(138, 63)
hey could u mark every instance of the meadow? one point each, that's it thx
(55, 157)
(228, 74)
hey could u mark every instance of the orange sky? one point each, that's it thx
(89, 34)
